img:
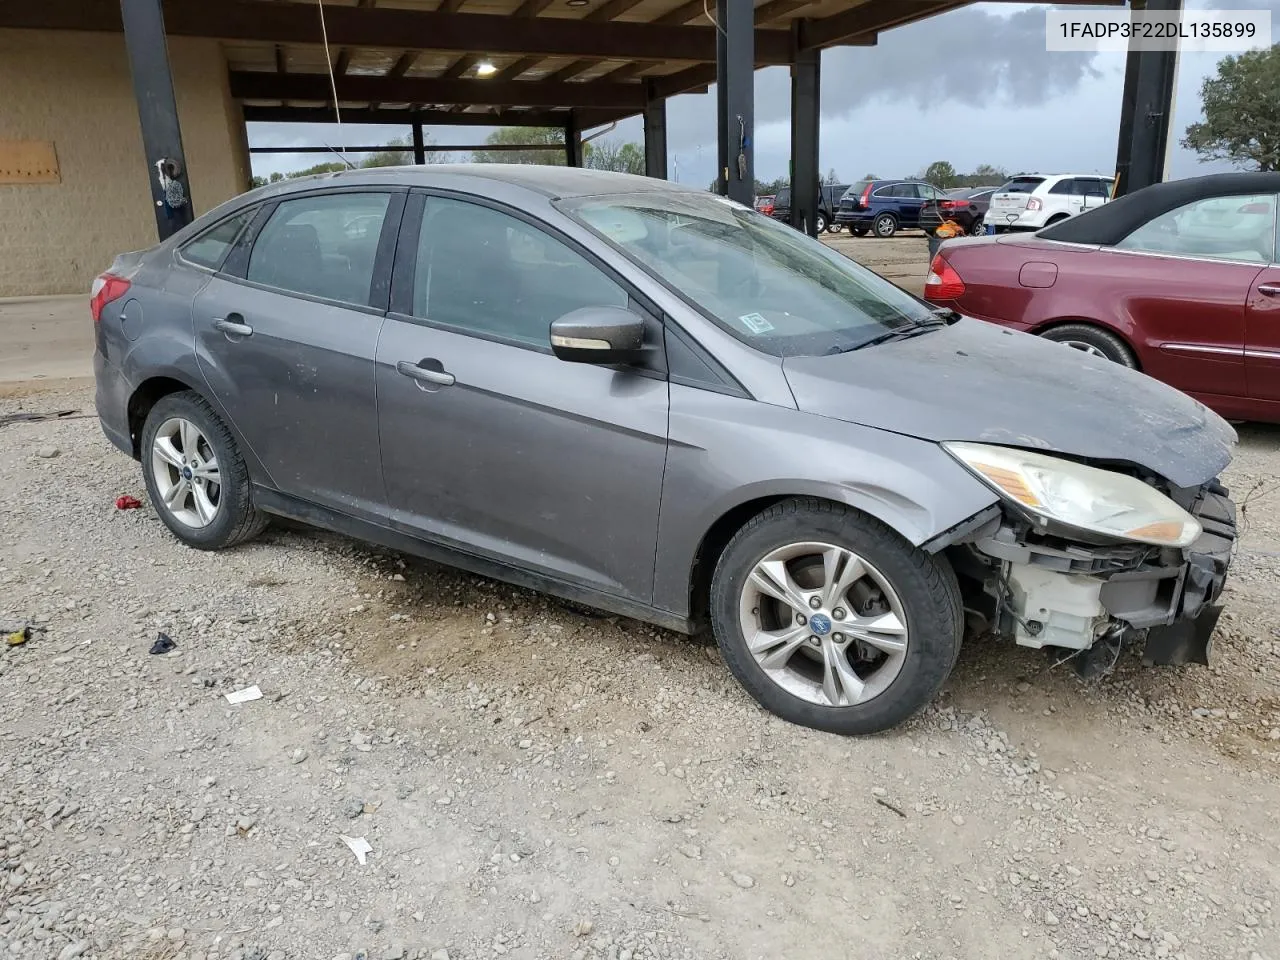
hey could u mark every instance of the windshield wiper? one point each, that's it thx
(905, 332)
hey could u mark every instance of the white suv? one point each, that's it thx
(1032, 202)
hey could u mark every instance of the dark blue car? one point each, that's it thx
(883, 206)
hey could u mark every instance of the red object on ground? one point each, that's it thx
(127, 502)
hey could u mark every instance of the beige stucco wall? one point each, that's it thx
(75, 90)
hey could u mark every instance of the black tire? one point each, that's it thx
(885, 226)
(820, 224)
(925, 584)
(236, 520)
(858, 231)
(977, 228)
(1103, 341)
(833, 227)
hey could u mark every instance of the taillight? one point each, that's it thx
(1034, 203)
(948, 204)
(105, 289)
(943, 282)
(866, 196)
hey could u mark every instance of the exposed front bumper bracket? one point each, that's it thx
(1183, 641)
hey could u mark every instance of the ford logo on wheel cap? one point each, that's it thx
(820, 624)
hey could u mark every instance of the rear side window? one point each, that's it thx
(323, 246)
(1220, 228)
(211, 247)
(1021, 185)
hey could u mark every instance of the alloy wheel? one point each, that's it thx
(1083, 347)
(186, 473)
(823, 623)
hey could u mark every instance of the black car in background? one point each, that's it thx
(829, 195)
(967, 206)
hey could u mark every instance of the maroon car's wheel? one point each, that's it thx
(1093, 340)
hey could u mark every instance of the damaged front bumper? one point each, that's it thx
(1047, 592)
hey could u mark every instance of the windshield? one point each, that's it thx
(768, 285)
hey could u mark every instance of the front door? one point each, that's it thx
(489, 442)
(287, 345)
(1262, 339)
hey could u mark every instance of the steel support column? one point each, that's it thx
(573, 141)
(805, 111)
(158, 112)
(1146, 111)
(655, 139)
(419, 145)
(735, 98)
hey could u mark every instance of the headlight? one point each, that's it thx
(1099, 501)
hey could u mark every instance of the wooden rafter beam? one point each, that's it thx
(351, 26)
(500, 117)
(258, 85)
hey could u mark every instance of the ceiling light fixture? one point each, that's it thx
(485, 68)
(577, 3)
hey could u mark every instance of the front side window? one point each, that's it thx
(487, 272)
(323, 246)
(766, 284)
(211, 247)
(1221, 228)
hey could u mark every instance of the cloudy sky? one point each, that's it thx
(971, 86)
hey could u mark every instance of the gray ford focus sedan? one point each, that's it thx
(663, 404)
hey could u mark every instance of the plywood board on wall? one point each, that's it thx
(28, 161)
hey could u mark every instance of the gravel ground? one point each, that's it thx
(539, 783)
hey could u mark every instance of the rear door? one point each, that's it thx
(285, 337)
(909, 200)
(490, 443)
(1063, 198)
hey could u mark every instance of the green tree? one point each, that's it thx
(552, 155)
(831, 177)
(1241, 112)
(941, 174)
(871, 176)
(396, 154)
(619, 157)
(985, 175)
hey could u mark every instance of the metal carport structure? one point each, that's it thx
(572, 64)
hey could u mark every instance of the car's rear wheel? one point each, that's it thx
(1087, 338)
(977, 228)
(858, 231)
(886, 226)
(820, 222)
(195, 476)
(830, 620)
(833, 227)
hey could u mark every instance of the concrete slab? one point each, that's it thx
(45, 338)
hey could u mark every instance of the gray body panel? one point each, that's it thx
(596, 482)
(974, 381)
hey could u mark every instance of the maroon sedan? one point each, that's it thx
(1179, 280)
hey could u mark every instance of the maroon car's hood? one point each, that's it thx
(975, 381)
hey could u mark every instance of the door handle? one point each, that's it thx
(1269, 290)
(415, 372)
(231, 328)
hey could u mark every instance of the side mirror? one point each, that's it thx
(605, 335)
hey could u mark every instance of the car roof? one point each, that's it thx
(1112, 222)
(553, 182)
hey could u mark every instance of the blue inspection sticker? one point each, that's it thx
(755, 323)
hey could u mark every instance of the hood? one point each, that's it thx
(979, 382)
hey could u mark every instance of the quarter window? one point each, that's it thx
(487, 272)
(323, 245)
(1221, 228)
(211, 247)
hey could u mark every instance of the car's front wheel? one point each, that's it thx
(195, 476)
(831, 620)
(820, 225)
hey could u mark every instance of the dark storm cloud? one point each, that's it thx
(972, 56)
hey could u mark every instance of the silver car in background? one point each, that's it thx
(649, 399)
